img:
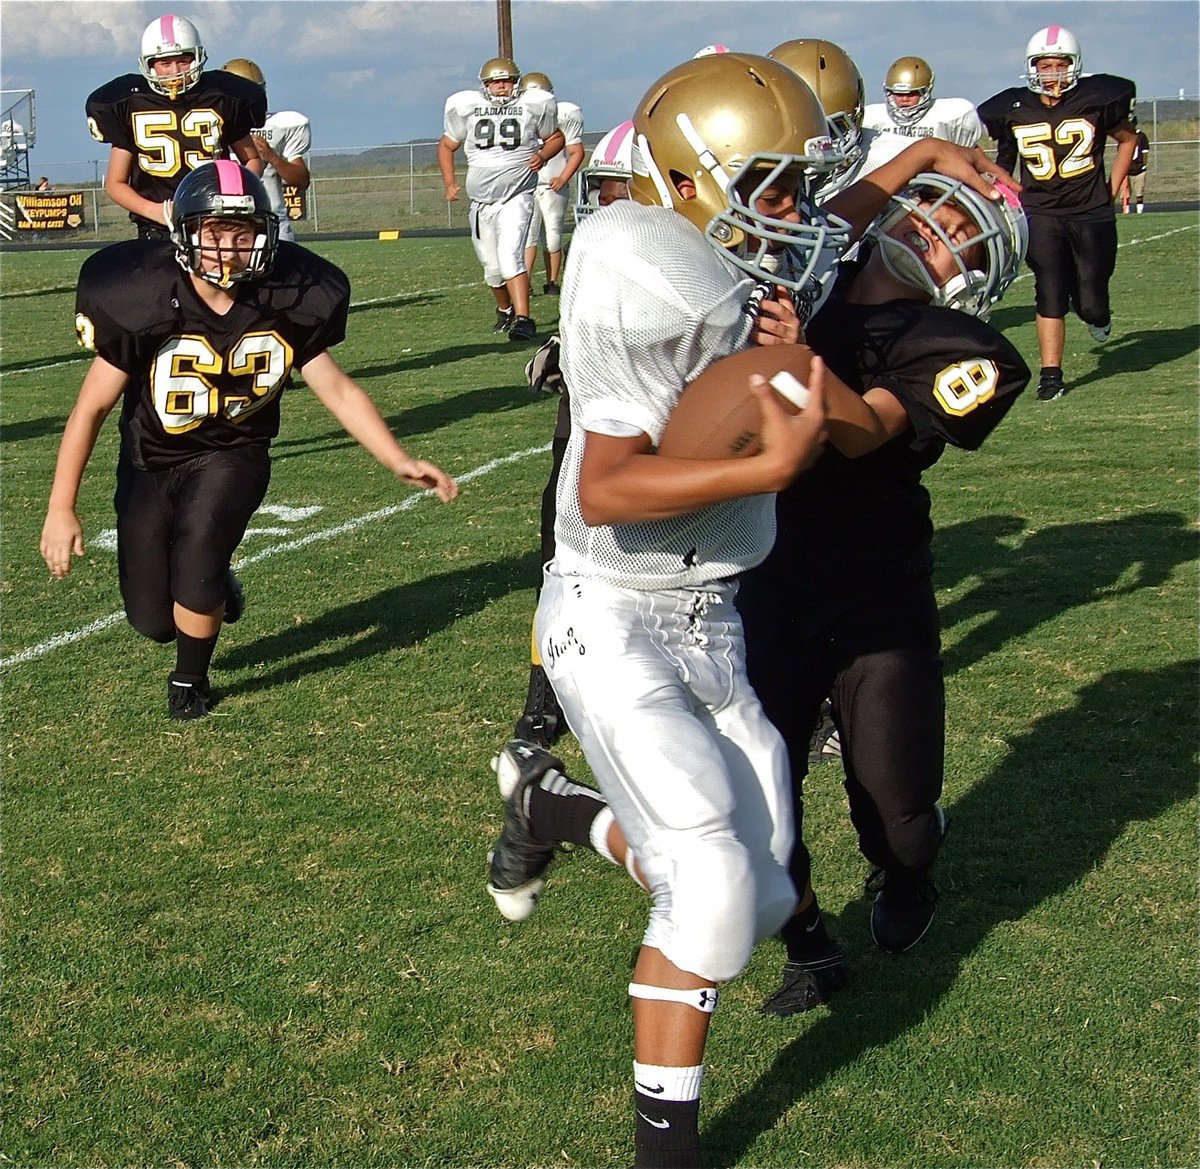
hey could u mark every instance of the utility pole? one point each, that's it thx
(504, 28)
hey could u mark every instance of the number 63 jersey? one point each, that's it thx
(199, 381)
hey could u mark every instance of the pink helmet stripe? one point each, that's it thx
(166, 30)
(1052, 35)
(612, 153)
(229, 177)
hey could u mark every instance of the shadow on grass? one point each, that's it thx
(1050, 571)
(1140, 352)
(996, 876)
(11, 432)
(424, 419)
(386, 621)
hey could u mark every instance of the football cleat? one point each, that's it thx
(808, 984)
(825, 744)
(542, 720)
(1050, 384)
(1101, 333)
(522, 329)
(550, 288)
(187, 699)
(235, 598)
(518, 861)
(504, 320)
(904, 902)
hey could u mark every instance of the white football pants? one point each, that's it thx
(549, 210)
(498, 233)
(654, 686)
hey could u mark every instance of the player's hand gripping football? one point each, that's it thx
(777, 322)
(791, 443)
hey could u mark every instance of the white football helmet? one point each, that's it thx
(987, 263)
(908, 75)
(610, 160)
(171, 36)
(1053, 41)
(731, 125)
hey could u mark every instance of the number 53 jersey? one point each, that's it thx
(169, 138)
(199, 381)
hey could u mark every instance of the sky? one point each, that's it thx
(377, 72)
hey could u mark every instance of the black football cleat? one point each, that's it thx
(550, 288)
(810, 983)
(905, 901)
(187, 698)
(825, 744)
(504, 320)
(522, 329)
(1050, 384)
(518, 861)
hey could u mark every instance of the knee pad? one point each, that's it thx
(713, 902)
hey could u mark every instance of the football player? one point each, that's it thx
(509, 137)
(604, 180)
(282, 141)
(833, 76)
(904, 331)
(635, 622)
(909, 107)
(168, 118)
(1056, 126)
(554, 182)
(195, 336)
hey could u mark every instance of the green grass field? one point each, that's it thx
(264, 939)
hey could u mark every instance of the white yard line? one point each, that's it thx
(61, 640)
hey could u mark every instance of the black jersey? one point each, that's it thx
(1060, 147)
(853, 525)
(201, 381)
(169, 137)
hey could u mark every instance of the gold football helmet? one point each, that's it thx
(731, 125)
(830, 73)
(535, 81)
(498, 69)
(908, 75)
(246, 68)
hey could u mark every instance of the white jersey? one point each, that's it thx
(951, 118)
(647, 304)
(875, 148)
(290, 136)
(500, 137)
(570, 122)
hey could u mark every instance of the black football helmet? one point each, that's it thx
(223, 190)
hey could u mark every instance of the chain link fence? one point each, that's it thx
(365, 190)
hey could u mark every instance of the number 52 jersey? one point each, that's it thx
(199, 381)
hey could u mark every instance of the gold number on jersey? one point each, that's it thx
(1033, 142)
(966, 384)
(161, 138)
(184, 372)
(85, 332)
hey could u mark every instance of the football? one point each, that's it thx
(718, 416)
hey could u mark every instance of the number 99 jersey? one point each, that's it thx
(169, 137)
(199, 381)
(500, 135)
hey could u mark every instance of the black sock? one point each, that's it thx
(804, 934)
(667, 1133)
(193, 655)
(562, 811)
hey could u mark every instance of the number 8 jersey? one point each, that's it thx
(500, 136)
(169, 137)
(200, 381)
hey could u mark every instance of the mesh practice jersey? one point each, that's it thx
(499, 138)
(647, 304)
(951, 118)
